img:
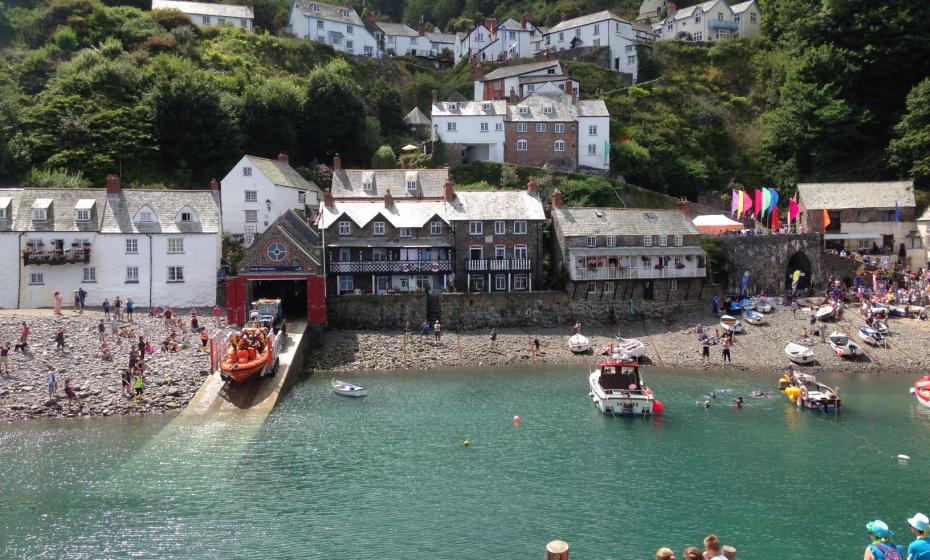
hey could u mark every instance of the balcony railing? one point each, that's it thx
(403, 267)
(722, 24)
(55, 256)
(585, 274)
(484, 265)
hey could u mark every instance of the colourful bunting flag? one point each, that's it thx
(766, 202)
(774, 205)
(826, 220)
(747, 203)
(734, 204)
(775, 223)
(758, 206)
(739, 204)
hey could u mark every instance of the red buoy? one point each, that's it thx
(657, 407)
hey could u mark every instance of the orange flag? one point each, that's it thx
(826, 220)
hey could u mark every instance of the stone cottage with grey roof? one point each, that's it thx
(158, 247)
(338, 26)
(629, 253)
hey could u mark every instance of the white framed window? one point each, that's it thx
(450, 126)
(366, 186)
(628, 48)
(484, 127)
(560, 145)
(301, 197)
(319, 23)
(540, 127)
(561, 36)
(453, 106)
(344, 228)
(315, 8)
(379, 228)
(246, 171)
(251, 216)
(631, 60)
(519, 251)
(663, 241)
(498, 127)
(186, 216)
(132, 274)
(175, 244)
(719, 16)
(475, 228)
(379, 254)
(647, 241)
(500, 282)
(559, 128)
(608, 287)
(736, 18)
(597, 29)
(175, 274)
(521, 145)
(132, 246)
(406, 232)
(349, 45)
(487, 106)
(679, 240)
(521, 127)
(752, 17)
(547, 110)
(519, 227)
(697, 17)
(36, 279)
(82, 215)
(411, 185)
(524, 110)
(611, 240)
(519, 281)
(39, 215)
(699, 36)
(679, 262)
(90, 274)
(435, 228)
(344, 13)
(345, 254)
(500, 227)
(346, 284)
(145, 216)
(220, 20)
(2, 213)
(368, 50)
(592, 130)
(591, 241)
(592, 149)
(205, 20)
(349, 29)
(500, 252)
(251, 196)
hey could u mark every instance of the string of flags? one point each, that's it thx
(762, 205)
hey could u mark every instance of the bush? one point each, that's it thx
(440, 153)
(477, 171)
(384, 158)
(416, 160)
(54, 179)
(171, 18)
(65, 39)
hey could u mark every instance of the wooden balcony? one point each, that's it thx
(494, 265)
(392, 267)
(608, 273)
(56, 256)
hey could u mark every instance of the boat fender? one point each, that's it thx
(657, 407)
(466, 443)
(912, 391)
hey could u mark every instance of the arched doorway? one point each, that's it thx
(799, 262)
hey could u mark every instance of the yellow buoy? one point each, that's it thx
(466, 443)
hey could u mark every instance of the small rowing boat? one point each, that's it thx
(825, 313)
(754, 317)
(843, 346)
(921, 391)
(799, 354)
(871, 336)
(731, 324)
(579, 344)
(348, 389)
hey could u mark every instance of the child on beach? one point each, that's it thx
(127, 383)
(138, 385)
(60, 338)
(101, 331)
(52, 382)
(5, 359)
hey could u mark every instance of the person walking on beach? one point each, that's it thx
(77, 301)
(5, 358)
(726, 350)
(58, 300)
(880, 546)
(535, 345)
(217, 313)
(195, 321)
(106, 308)
(101, 331)
(138, 385)
(794, 308)
(60, 338)
(920, 527)
(114, 326)
(23, 338)
(130, 308)
(705, 350)
(168, 315)
(424, 329)
(715, 306)
(118, 308)
(437, 330)
(52, 382)
(493, 338)
(82, 296)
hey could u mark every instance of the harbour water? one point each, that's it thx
(387, 476)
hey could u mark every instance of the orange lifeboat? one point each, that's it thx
(244, 364)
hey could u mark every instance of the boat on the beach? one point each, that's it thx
(880, 326)
(617, 389)
(825, 313)
(921, 391)
(240, 365)
(843, 346)
(762, 305)
(754, 317)
(579, 343)
(731, 324)
(799, 354)
(809, 301)
(805, 391)
(348, 389)
(871, 336)
(904, 310)
(630, 348)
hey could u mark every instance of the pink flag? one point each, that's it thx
(793, 210)
(734, 204)
(747, 203)
(758, 205)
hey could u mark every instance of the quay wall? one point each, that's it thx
(367, 311)
(840, 267)
(769, 258)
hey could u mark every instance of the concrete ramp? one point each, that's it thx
(257, 396)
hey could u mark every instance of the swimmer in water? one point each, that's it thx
(706, 403)
(738, 403)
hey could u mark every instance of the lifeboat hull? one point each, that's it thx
(240, 372)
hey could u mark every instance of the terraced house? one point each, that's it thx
(205, 14)
(337, 26)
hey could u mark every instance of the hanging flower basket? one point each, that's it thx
(680, 266)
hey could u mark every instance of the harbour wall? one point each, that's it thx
(367, 311)
(771, 258)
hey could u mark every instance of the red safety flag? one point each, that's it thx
(826, 220)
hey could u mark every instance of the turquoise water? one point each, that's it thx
(387, 476)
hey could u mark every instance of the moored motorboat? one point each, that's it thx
(579, 344)
(731, 324)
(348, 389)
(843, 346)
(921, 391)
(871, 336)
(630, 348)
(799, 354)
(805, 391)
(617, 389)
(754, 317)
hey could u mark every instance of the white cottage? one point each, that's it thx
(206, 14)
(337, 26)
(258, 190)
(601, 29)
(521, 80)
(158, 247)
(707, 21)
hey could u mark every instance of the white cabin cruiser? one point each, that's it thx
(843, 346)
(630, 348)
(617, 389)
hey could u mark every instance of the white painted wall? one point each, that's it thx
(468, 131)
(234, 205)
(403, 45)
(308, 27)
(616, 35)
(10, 255)
(749, 21)
(597, 160)
(204, 20)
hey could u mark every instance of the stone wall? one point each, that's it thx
(375, 312)
(514, 309)
(840, 267)
(767, 258)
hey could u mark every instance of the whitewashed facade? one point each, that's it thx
(748, 18)
(474, 126)
(207, 14)
(156, 247)
(708, 21)
(521, 80)
(337, 26)
(491, 42)
(601, 29)
(258, 190)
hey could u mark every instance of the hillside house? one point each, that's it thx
(337, 26)
(521, 80)
(601, 29)
(206, 14)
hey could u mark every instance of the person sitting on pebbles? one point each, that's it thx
(105, 353)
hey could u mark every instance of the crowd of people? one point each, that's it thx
(713, 550)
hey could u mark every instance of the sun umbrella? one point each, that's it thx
(409, 148)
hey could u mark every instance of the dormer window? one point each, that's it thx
(39, 215)
(82, 209)
(411, 185)
(452, 106)
(344, 13)
(315, 7)
(547, 110)
(524, 110)
(187, 216)
(82, 215)
(486, 107)
(367, 186)
(145, 216)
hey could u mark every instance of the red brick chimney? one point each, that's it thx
(556, 198)
(685, 206)
(448, 191)
(574, 96)
(421, 27)
(491, 24)
(525, 18)
(671, 8)
(214, 184)
(350, 4)
(568, 85)
(435, 96)
(531, 187)
(388, 199)
(328, 198)
(283, 157)
(337, 162)
(479, 72)
(113, 186)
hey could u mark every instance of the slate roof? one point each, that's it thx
(122, 208)
(584, 20)
(495, 205)
(741, 7)
(440, 37)
(543, 79)
(562, 109)
(282, 174)
(621, 221)
(305, 237)
(473, 108)
(689, 11)
(396, 29)
(349, 183)
(205, 8)
(519, 69)
(330, 12)
(417, 117)
(403, 213)
(61, 212)
(837, 196)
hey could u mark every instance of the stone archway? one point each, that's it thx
(798, 261)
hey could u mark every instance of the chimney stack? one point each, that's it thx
(556, 198)
(513, 95)
(328, 198)
(491, 24)
(531, 187)
(283, 157)
(435, 96)
(337, 162)
(685, 206)
(214, 184)
(568, 85)
(113, 186)
(421, 27)
(350, 4)
(574, 97)
(479, 72)
(388, 199)
(448, 190)
(671, 9)
(525, 18)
